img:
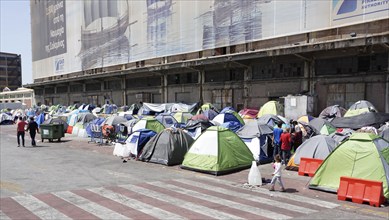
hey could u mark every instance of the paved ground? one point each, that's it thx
(48, 182)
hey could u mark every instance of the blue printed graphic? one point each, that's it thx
(347, 6)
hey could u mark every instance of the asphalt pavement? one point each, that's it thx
(38, 181)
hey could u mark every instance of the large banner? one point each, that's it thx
(350, 11)
(71, 36)
(49, 29)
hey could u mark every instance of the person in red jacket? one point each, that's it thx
(285, 140)
(20, 130)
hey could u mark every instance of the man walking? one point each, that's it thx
(33, 128)
(277, 131)
(20, 130)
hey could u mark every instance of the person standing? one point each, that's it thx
(277, 174)
(285, 140)
(277, 131)
(297, 136)
(21, 124)
(33, 128)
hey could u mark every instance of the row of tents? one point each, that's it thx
(210, 141)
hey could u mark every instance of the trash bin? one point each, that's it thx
(51, 131)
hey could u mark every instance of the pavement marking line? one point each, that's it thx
(89, 206)
(290, 196)
(221, 201)
(253, 198)
(122, 175)
(3, 216)
(39, 208)
(135, 204)
(13, 187)
(181, 203)
(369, 211)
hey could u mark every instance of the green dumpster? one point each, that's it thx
(51, 131)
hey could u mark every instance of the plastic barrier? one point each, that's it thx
(361, 190)
(308, 166)
(69, 130)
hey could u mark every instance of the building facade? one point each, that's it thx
(10, 71)
(19, 98)
(230, 53)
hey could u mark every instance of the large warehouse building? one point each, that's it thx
(228, 52)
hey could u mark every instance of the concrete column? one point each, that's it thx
(84, 92)
(124, 96)
(387, 91)
(68, 101)
(306, 81)
(44, 95)
(164, 88)
(312, 74)
(246, 80)
(102, 94)
(201, 75)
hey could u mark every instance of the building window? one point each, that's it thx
(38, 91)
(76, 88)
(262, 71)
(184, 78)
(224, 75)
(62, 89)
(49, 91)
(363, 64)
(92, 87)
(112, 85)
(143, 82)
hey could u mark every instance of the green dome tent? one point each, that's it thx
(149, 123)
(322, 126)
(271, 107)
(360, 107)
(364, 156)
(218, 151)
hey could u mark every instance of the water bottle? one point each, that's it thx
(254, 178)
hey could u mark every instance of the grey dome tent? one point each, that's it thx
(331, 112)
(257, 137)
(168, 147)
(384, 131)
(360, 107)
(322, 126)
(373, 119)
(319, 147)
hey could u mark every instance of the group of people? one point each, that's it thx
(32, 127)
(286, 139)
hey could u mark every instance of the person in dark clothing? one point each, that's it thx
(33, 128)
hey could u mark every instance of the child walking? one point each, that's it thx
(277, 174)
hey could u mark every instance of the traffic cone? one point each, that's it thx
(254, 178)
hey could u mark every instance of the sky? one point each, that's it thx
(15, 33)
